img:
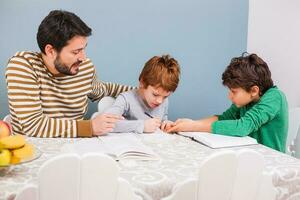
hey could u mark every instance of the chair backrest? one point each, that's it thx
(217, 173)
(103, 104)
(228, 175)
(7, 119)
(297, 144)
(249, 175)
(294, 124)
(215, 180)
(71, 177)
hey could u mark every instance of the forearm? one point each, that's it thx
(204, 125)
(102, 89)
(43, 126)
(127, 126)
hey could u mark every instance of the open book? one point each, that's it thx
(218, 141)
(118, 146)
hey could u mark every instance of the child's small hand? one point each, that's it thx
(150, 125)
(181, 125)
(165, 125)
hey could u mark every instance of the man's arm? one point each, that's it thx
(101, 89)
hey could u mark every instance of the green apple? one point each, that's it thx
(5, 156)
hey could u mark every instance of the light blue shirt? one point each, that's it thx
(131, 106)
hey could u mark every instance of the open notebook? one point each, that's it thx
(218, 141)
(118, 146)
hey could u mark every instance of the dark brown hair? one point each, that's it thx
(247, 71)
(58, 27)
(161, 71)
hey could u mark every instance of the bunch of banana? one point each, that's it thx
(14, 149)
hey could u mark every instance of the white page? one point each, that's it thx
(85, 146)
(127, 145)
(219, 141)
(118, 146)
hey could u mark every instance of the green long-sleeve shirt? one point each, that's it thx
(265, 120)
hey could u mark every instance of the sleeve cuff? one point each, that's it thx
(84, 128)
(214, 127)
(140, 126)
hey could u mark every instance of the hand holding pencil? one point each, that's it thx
(163, 125)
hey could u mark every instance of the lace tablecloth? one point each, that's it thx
(153, 180)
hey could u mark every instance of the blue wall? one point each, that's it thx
(201, 34)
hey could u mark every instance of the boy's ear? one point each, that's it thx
(254, 91)
(141, 85)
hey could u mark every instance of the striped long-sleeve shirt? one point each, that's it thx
(44, 105)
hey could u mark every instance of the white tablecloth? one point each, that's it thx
(180, 159)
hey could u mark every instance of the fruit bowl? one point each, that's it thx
(5, 169)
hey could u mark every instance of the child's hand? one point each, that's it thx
(165, 125)
(181, 125)
(150, 125)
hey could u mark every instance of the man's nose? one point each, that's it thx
(82, 55)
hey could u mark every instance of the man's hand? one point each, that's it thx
(150, 125)
(181, 125)
(104, 123)
(165, 125)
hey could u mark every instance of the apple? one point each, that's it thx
(5, 156)
(4, 129)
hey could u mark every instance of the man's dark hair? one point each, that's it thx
(247, 71)
(59, 27)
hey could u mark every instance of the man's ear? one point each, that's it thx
(50, 51)
(255, 91)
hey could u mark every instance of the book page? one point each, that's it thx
(128, 146)
(219, 141)
(86, 145)
(118, 146)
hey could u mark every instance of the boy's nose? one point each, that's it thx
(159, 100)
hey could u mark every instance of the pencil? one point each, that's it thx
(148, 115)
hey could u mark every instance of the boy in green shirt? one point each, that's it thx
(259, 108)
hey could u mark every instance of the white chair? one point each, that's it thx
(215, 180)
(7, 119)
(294, 124)
(71, 177)
(251, 183)
(228, 175)
(103, 104)
(297, 144)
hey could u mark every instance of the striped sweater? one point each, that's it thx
(44, 105)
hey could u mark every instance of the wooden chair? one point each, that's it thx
(71, 177)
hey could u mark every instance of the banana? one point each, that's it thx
(25, 152)
(12, 142)
(15, 160)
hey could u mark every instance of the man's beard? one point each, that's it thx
(64, 69)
